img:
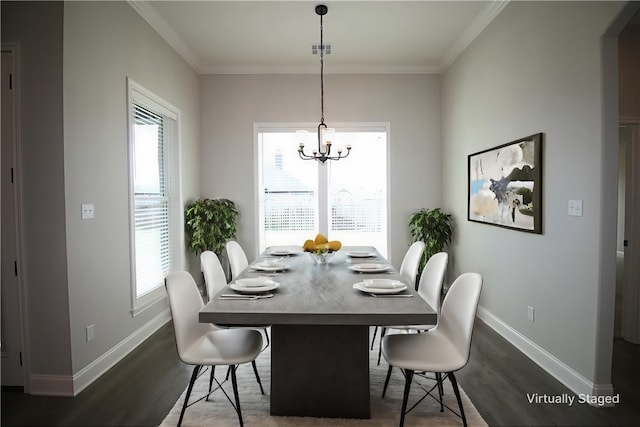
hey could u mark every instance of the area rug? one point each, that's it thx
(385, 412)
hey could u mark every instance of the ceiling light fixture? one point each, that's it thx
(323, 153)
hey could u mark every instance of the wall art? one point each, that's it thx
(505, 185)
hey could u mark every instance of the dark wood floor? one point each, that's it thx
(141, 389)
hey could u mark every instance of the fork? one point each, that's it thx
(244, 297)
(390, 295)
(262, 273)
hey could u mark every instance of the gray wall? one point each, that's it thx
(629, 48)
(231, 104)
(538, 68)
(73, 151)
(104, 44)
(42, 174)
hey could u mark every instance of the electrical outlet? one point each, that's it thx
(531, 314)
(88, 211)
(91, 333)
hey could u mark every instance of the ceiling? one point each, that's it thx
(275, 37)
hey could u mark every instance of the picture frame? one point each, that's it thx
(505, 185)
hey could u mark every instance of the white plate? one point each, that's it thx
(255, 282)
(254, 289)
(360, 254)
(392, 289)
(383, 284)
(270, 266)
(369, 267)
(283, 252)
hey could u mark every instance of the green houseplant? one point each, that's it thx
(210, 223)
(434, 228)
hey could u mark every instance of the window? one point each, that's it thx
(345, 200)
(156, 216)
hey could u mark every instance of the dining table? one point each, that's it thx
(320, 317)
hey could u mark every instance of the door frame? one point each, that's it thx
(14, 49)
(630, 321)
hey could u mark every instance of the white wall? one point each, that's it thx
(537, 68)
(232, 104)
(104, 43)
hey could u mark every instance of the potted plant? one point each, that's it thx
(210, 223)
(434, 228)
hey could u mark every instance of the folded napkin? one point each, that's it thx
(382, 284)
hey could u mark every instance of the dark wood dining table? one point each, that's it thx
(320, 331)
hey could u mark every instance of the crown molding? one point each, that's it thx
(313, 69)
(157, 22)
(478, 25)
(153, 18)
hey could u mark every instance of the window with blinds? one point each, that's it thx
(345, 200)
(155, 200)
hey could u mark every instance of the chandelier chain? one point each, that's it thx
(321, 72)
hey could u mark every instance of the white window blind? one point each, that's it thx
(155, 195)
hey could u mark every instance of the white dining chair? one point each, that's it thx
(409, 271)
(203, 344)
(237, 258)
(430, 289)
(444, 349)
(214, 277)
(411, 262)
(215, 280)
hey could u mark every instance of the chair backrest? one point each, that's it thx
(214, 277)
(432, 278)
(185, 302)
(459, 311)
(237, 258)
(411, 262)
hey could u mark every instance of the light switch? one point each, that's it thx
(575, 207)
(88, 211)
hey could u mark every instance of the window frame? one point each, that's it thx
(143, 97)
(323, 182)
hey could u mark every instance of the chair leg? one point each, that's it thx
(375, 332)
(440, 389)
(194, 375)
(454, 383)
(255, 371)
(386, 381)
(407, 387)
(383, 332)
(234, 382)
(266, 334)
(213, 374)
(228, 372)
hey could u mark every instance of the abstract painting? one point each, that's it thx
(505, 185)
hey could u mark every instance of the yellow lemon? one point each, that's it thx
(309, 245)
(334, 245)
(321, 240)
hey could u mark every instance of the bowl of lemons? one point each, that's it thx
(321, 249)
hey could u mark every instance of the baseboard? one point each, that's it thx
(102, 364)
(51, 385)
(554, 366)
(67, 385)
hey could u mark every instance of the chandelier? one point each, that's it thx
(323, 152)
